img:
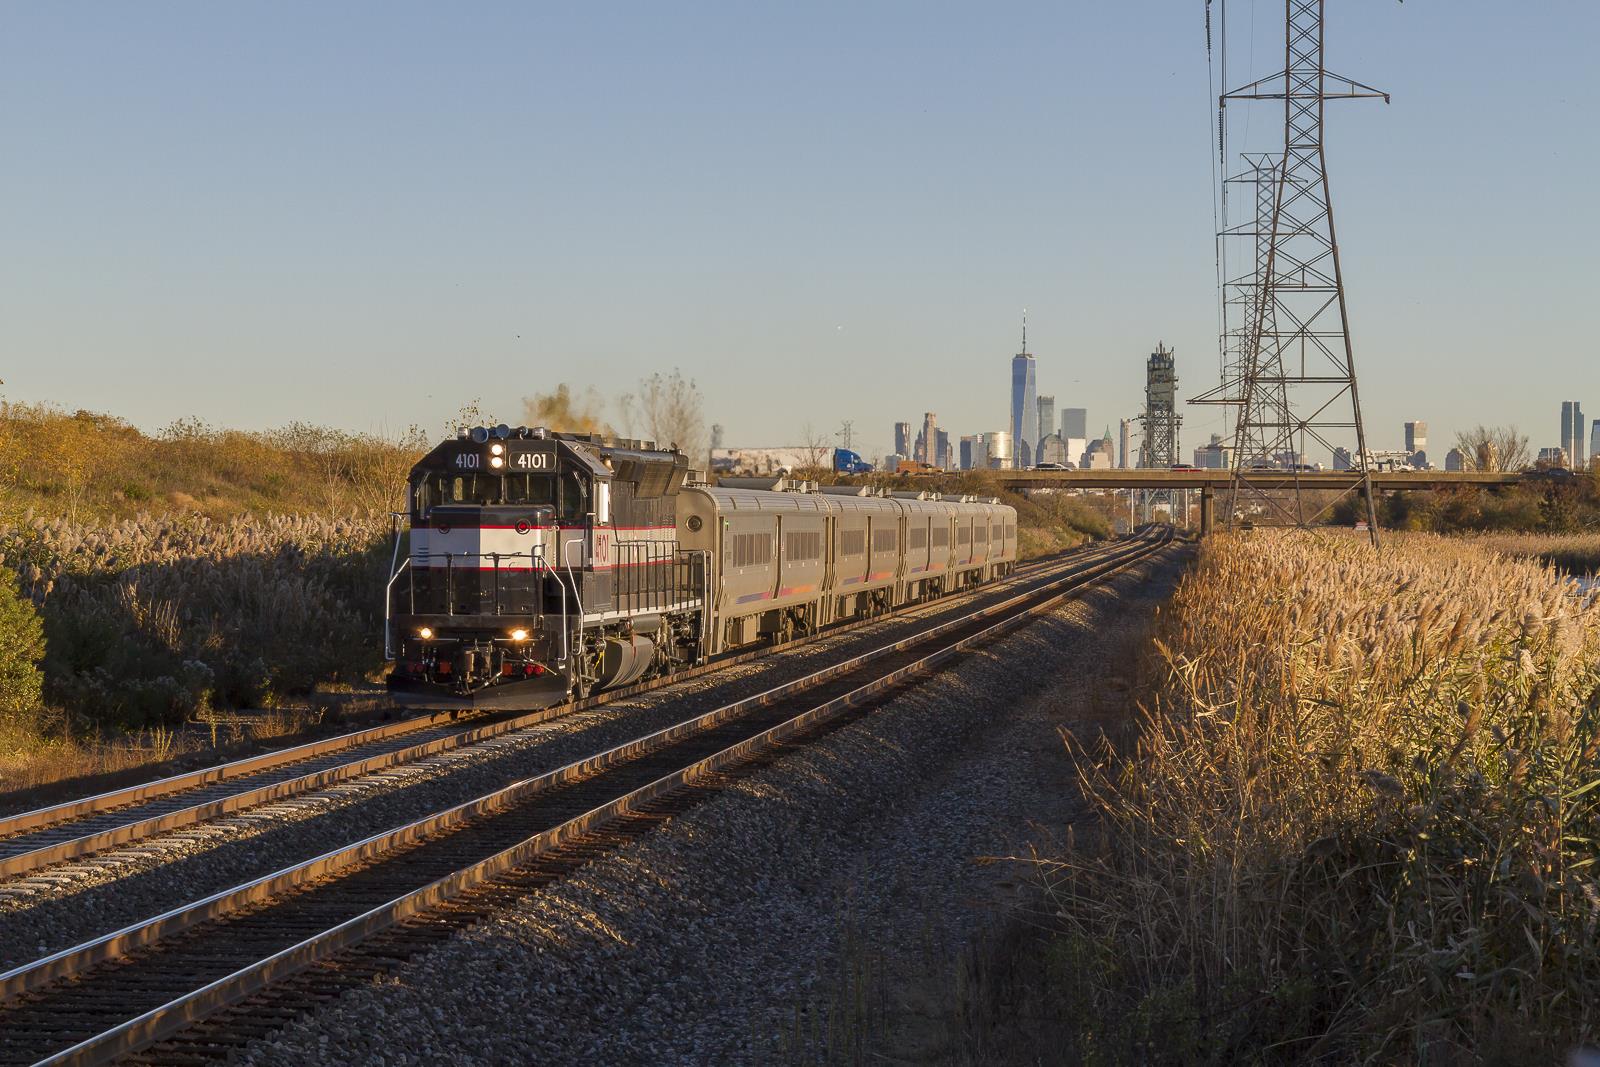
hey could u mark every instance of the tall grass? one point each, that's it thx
(1573, 553)
(87, 466)
(1356, 821)
(149, 621)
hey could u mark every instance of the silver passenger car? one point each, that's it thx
(786, 563)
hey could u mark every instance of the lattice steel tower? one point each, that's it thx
(1297, 376)
(1160, 422)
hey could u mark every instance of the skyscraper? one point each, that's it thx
(902, 438)
(926, 449)
(1074, 422)
(1416, 436)
(971, 444)
(942, 450)
(1024, 405)
(1125, 444)
(1594, 442)
(1047, 416)
(1572, 432)
(1580, 460)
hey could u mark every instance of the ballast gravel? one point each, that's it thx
(745, 930)
(72, 902)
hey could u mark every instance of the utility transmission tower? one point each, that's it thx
(847, 432)
(1241, 292)
(1296, 366)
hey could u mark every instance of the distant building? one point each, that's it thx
(1024, 404)
(1553, 457)
(998, 452)
(1572, 424)
(1101, 455)
(1052, 449)
(970, 445)
(1594, 443)
(1125, 444)
(892, 461)
(1343, 460)
(1417, 444)
(1096, 459)
(1075, 422)
(1455, 460)
(1214, 456)
(943, 450)
(1047, 416)
(902, 439)
(1076, 447)
(1289, 460)
(926, 448)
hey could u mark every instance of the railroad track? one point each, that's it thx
(33, 840)
(120, 993)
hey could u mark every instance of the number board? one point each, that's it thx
(530, 456)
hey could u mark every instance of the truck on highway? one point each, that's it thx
(782, 461)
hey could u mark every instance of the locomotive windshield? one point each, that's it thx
(568, 495)
(486, 490)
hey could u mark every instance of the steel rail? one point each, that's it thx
(171, 1016)
(31, 976)
(40, 850)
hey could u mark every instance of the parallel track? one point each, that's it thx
(117, 994)
(36, 839)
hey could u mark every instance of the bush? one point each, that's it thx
(21, 648)
(152, 620)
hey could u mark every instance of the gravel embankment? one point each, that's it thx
(71, 902)
(744, 930)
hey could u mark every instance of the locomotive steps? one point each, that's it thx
(234, 943)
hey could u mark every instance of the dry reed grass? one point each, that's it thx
(1357, 821)
(154, 619)
(1573, 553)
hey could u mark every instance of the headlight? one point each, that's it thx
(519, 635)
(497, 449)
(426, 633)
(496, 462)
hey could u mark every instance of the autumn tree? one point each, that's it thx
(1493, 448)
(669, 409)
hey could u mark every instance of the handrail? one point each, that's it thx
(388, 611)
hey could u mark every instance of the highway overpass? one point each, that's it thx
(1264, 479)
(1209, 482)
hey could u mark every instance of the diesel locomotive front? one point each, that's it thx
(540, 566)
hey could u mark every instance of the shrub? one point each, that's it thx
(21, 648)
(151, 620)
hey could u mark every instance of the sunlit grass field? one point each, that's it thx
(1356, 821)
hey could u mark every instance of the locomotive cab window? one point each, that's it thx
(537, 490)
(574, 497)
(485, 490)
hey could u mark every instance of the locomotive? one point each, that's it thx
(543, 566)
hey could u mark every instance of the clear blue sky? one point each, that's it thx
(367, 214)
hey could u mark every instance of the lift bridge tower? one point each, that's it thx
(1160, 422)
(1289, 374)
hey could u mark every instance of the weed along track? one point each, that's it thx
(393, 893)
(33, 840)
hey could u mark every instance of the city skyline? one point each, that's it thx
(174, 253)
